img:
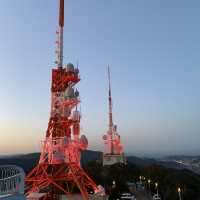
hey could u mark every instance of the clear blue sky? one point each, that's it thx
(153, 48)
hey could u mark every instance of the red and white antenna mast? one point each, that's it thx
(110, 111)
(113, 152)
(59, 169)
(61, 27)
(110, 101)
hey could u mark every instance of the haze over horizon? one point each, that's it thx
(153, 49)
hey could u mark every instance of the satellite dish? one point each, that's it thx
(84, 140)
(105, 137)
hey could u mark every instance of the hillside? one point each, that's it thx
(28, 161)
(169, 179)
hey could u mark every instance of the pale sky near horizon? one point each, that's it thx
(153, 48)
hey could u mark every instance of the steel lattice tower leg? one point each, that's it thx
(59, 170)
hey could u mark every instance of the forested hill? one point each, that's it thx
(28, 161)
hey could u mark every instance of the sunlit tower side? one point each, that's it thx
(59, 171)
(113, 148)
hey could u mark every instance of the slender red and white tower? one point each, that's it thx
(59, 171)
(113, 152)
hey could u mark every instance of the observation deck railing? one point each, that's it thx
(11, 180)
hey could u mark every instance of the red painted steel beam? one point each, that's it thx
(61, 13)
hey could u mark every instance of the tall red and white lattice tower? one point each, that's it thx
(113, 151)
(59, 171)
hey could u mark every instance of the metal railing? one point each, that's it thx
(11, 180)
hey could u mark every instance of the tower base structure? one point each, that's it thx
(111, 159)
(58, 179)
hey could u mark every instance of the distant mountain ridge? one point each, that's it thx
(181, 157)
(28, 161)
